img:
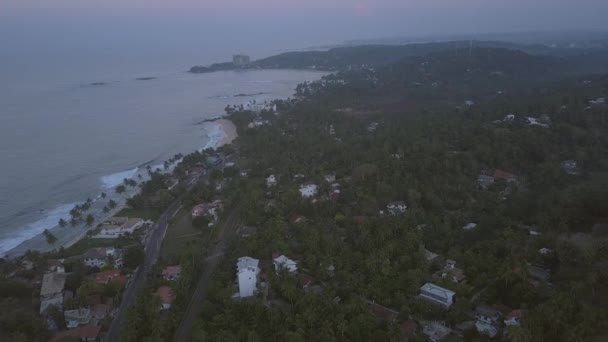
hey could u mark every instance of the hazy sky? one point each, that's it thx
(77, 25)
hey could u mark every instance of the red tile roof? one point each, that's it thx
(408, 327)
(515, 314)
(383, 313)
(82, 332)
(305, 279)
(503, 175)
(172, 271)
(105, 277)
(165, 294)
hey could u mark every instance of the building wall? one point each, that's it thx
(247, 282)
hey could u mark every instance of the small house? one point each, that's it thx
(166, 296)
(172, 273)
(247, 271)
(436, 294)
(284, 263)
(513, 318)
(396, 208)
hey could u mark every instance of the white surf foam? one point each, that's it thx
(31, 230)
(215, 134)
(115, 179)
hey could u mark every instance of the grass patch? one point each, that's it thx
(180, 234)
(146, 214)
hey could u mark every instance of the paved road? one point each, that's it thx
(152, 250)
(230, 226)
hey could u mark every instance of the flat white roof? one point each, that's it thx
(437, 290)
(245, 262)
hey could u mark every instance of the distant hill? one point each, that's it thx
(520, 56)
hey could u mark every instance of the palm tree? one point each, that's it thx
(62, 223)
(103, 195)
(111, 204)
(120, 189)
(90, 220)
(50, 238)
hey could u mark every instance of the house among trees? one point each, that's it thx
(172, 273)
(282, 262)
(487, 320)
(106, 277)
(451, 272)
(570, 167)
(100, 257)
(435, 331)
(82, 333)
(210, 210)
(74, 318)
(438, 295)
(247, 272)
(271, 181)
(166, 296)
(118, 226)
(470, 226)
(513, 318)
(396, 208)
(308, 190)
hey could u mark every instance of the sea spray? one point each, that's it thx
(50, 220)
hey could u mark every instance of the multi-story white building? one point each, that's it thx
(247, 271)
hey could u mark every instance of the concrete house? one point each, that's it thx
(74, 318)
(172, 273)
(308, 190)
(513, 318)
(396, 208)
(100, 257)
(438, 295)
(166, 296)
(284, 263)
(435, 331)
(570, 167)
(51, 292)
(247, 272)
(271, 181)
(116, 227)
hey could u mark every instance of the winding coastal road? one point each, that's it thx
(195, 306)
(152, 250)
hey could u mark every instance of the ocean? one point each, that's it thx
(64, 139)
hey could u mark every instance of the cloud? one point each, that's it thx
(361, 10)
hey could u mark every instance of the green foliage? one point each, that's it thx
(133, 256)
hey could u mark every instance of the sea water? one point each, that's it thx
(69, 138)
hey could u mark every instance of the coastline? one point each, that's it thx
(220, 132)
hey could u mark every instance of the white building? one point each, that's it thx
(99, 257)
(396, 208)
(118, 226)
(247, 271)
(284, 263)
(271, 181)
(308, 190)
(436, 294)
(470, 226)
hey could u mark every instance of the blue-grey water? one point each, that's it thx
(63, 140)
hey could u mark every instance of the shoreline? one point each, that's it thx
(221, 131)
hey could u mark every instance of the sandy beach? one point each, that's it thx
(230, 132)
